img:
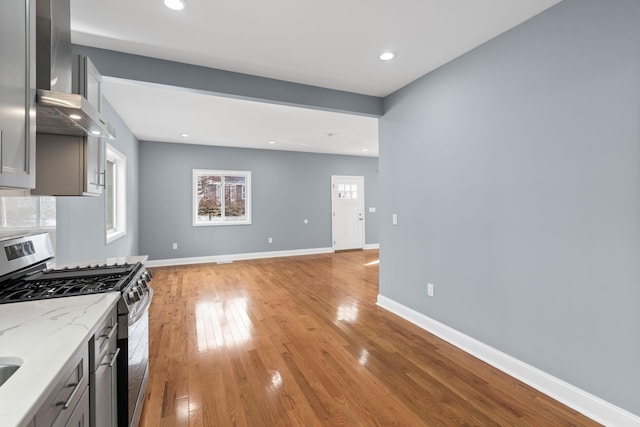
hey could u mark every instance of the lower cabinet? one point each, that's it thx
(80, 415)
(87, 394)
(69, 400)
(103, 356)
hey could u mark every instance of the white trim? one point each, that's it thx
(371, 246)
(578, 399)
(236, 257)
(194, 191)
(120, 161)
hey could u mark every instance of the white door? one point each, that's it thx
(347, 201)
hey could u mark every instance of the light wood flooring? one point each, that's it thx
(300, 342)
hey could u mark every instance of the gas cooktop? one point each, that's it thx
(47, 284)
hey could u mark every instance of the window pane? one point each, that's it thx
(209, 197)
(221, 197)
(234, 206)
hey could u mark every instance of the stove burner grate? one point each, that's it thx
(66, 282)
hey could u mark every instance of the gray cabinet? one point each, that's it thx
(68, 402)
(74, 165)
(69, 165)
(94, 164)
(87, 81)
(80, 415)
(17, 93)
(103, 356)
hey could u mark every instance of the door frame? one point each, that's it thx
(333, 211)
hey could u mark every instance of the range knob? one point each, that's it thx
(133, 296)
(142, 284)
(147, 275)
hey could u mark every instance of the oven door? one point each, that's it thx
(134, 375)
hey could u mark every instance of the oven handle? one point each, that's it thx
(147, 303)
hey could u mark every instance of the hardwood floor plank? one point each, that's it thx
(300, 342)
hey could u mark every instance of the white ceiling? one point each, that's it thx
(214, 120)
(330, 43)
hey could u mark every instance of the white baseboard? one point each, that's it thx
(593, 407)
(236, 257)
(371, 246)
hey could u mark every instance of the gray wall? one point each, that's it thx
(81, 220)
(287, 187)
(515, 172)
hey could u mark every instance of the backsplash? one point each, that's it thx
(23, 215)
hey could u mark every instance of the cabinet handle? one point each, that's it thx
(109, 334)
(73, 393)
(102, 179)
(113, 358)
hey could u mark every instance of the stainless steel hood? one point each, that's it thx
(69, 114)
(59, 110)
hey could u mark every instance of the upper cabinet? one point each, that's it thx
(17, 94)
(87, 81)
(74, 165)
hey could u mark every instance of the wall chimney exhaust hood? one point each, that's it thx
(69, 114)
(58, 110)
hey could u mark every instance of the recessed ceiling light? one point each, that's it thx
(74, 116)
(365, 149)
(387, 56)
(174, 4)
(272, 142)
(95, 132)
(184, 135)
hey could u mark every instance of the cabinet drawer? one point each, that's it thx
(104, 341)
(67, 393)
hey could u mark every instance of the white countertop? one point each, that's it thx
(44, 334)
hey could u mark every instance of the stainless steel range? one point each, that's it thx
(24, 276)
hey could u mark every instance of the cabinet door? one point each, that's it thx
(113, 370)
(94, 164)
(80, 415)
(17, 93)
(103, 397)
(87, 81)
(93, 85)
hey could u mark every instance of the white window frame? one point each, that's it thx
(120, 229)
(222, 220)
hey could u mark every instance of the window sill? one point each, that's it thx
(115, 235)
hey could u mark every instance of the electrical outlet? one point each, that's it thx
(175, 246)
(270, 240)
(430, 289)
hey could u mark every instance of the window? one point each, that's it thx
(115, 195)
(27, 212)
(221, 197)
